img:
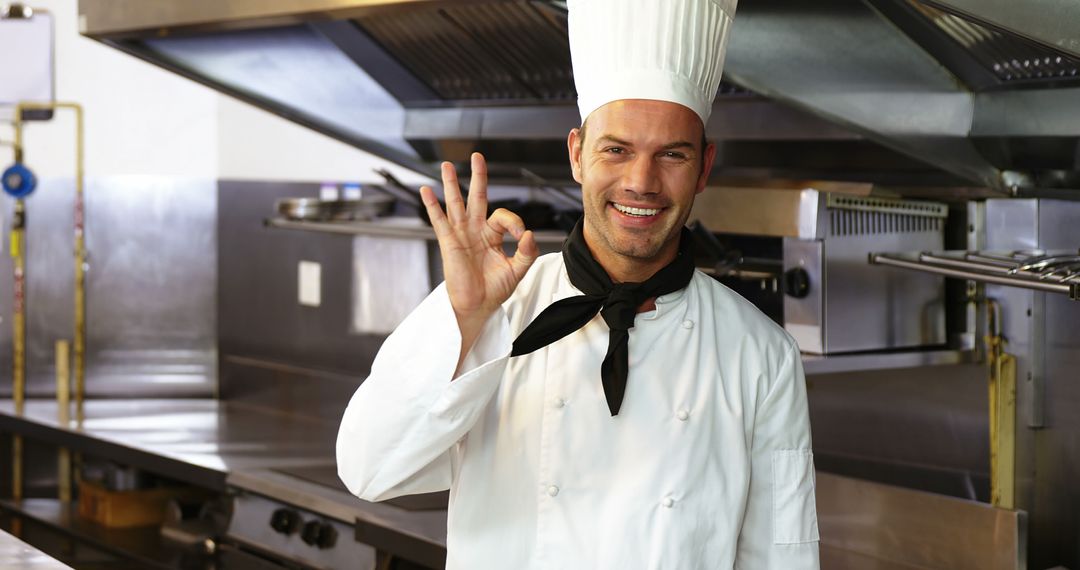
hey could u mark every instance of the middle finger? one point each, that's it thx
(477, 207)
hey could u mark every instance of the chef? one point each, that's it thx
(607, 407)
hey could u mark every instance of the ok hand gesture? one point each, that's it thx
(479, 276)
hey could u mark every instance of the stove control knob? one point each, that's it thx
(797, 282)
(327, 536)
(285, 521)
(319, 534)
(310, 532)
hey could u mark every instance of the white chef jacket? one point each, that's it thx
(707, 465)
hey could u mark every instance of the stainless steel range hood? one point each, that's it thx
(900, 92)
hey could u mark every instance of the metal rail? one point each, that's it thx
(387, 229)
(1014, 269)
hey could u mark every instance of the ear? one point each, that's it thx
(573, 145)
(710, 158)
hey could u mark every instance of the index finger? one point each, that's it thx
(477, 206)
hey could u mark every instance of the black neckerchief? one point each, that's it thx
(617, 303)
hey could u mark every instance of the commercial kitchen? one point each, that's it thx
(212, 220)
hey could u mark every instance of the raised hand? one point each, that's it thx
(479, 276)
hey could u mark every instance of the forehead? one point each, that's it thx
(645, 121)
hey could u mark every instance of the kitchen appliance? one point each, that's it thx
(303, 516)
(825, 292)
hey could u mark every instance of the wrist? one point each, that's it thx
(471, 325)
(472, 321)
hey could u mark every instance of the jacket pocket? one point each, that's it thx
(794, 509)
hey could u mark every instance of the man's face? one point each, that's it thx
(639, 166)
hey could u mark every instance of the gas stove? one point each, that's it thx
(304, 516)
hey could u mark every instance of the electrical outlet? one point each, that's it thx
(310, 285)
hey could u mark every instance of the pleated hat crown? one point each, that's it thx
(667, 50)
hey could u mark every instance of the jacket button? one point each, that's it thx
(552, 490)
(683, 415)
(668, 502)
(688, 324)
(560, 402)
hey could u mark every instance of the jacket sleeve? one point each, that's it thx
(400, 426)
(779, 530)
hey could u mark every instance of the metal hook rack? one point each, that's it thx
(1054, 272)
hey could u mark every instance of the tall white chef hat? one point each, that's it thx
(668, 50)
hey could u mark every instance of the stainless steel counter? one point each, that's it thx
(198, 441)
(17, 555)
(291, 460)
(218, 445)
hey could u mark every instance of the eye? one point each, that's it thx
(615, 150)
(674, 155)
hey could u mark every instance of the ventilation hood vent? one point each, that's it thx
(1010, 58)
(516, 51)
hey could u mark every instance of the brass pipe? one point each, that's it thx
(63, 405)
(80, 237)
(1002, 404)
(18, 250)
(18, 390)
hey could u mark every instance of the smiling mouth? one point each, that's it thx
(637, 212)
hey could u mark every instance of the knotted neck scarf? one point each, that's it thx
(617, 303)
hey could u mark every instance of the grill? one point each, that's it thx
(853, 216)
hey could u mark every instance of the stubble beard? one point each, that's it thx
(641, 245)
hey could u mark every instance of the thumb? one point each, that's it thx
(526, 254)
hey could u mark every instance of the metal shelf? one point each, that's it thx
(1053, 272)
(859, 362)
(143, 545)
(403, 228)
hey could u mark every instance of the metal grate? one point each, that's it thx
(1010, 58)
(856, 215)
(508, 50)
(505, 50)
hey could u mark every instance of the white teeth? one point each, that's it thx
(635, 211)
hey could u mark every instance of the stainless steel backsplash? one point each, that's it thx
(274, 352)
(150, 286)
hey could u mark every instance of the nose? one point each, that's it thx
(640, 175)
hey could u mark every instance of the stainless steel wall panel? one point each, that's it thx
(1056, 516)
(1056, 525)
(1040, 329)
(151, 296)
(920, 427)
(1012, 224)
(271, 347)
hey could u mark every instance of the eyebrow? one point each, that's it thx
(668, 146)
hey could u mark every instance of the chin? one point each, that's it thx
(645, 251)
